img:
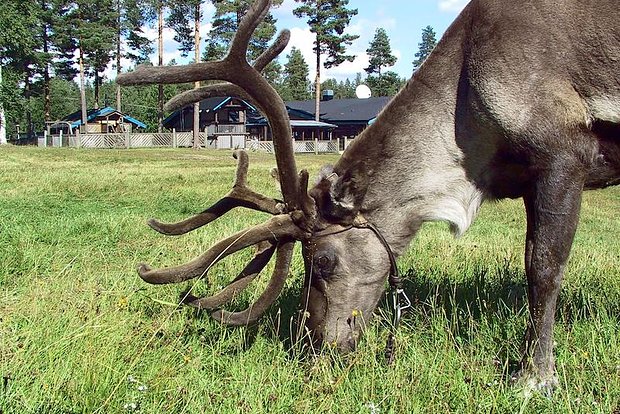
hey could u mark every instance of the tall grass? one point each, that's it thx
(80, 332)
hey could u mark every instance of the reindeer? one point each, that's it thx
(513, 103)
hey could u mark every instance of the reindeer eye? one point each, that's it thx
(323, 261)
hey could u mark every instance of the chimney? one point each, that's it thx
(327, 95)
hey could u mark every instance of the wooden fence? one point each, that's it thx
(183, 139)
(124, 140)
(316, 146)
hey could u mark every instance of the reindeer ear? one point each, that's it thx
(338, 197)
(349, 191)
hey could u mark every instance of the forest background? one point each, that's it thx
(60, 56)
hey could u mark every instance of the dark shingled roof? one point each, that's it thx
(344, 110)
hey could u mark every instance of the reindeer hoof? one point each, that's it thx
(531, 383)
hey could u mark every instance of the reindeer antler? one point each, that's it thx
(227, 88)
(239, 196)
(290, 218)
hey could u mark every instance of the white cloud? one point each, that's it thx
(303, 39)
(285, 9)
(452, 5)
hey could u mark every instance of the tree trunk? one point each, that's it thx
(47, 103)
(160, 51)
(97, 81)
(196, 129)
(2, 117)
(82, 88)
(27, 95)
(317, 86)
(118, 53)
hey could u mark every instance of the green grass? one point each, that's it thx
(80, 332)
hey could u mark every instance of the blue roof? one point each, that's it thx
(94, 113)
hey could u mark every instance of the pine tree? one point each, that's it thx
(48, 13)
(160, 5)
(98, 38)
(20, 59)
(380, 53)
(2, 114)
(184, 18)
(131, 16)
(425, 47)
(295, 83)
(88, 27)
(328, 20)
(386, 84)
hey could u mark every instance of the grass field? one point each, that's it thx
(80, 332)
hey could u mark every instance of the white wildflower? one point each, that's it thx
(372, 407)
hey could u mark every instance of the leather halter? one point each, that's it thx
(399, 299)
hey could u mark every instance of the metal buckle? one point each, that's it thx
(400, 302)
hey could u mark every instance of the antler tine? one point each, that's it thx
(239, 196)
(196, 95)
(226, 88)
(249, 273)
(306, 217)
(266, 299)
(243, 163)
(280, 227)
(146, 75)
(273, 51)
(255, 14)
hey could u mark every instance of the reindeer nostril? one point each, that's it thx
(349, 321)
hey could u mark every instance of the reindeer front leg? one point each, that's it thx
(552, 207)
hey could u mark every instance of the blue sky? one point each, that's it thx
(402, 19)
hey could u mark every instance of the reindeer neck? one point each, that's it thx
(406, 169)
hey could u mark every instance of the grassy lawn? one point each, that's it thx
(80, 332)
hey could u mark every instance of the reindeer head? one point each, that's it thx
(346, 259)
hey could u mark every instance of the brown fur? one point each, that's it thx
(513, 102)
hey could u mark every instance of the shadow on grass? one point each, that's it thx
(496, 295)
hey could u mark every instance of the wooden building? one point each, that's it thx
(230, 121)
(98, 121)
(304, 127)
(223, 118)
